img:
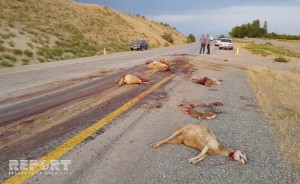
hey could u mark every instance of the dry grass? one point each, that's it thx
(241, 40)
(278, 93)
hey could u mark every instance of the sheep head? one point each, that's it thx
(238, 156)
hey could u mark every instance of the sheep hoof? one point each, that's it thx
(192, 161)
(154, 145)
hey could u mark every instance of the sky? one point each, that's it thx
(214, 17)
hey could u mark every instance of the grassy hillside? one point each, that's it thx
(49, 30)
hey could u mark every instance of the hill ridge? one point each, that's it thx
(50, 30)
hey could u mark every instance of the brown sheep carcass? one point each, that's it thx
(130, 79)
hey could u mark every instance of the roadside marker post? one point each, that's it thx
(237, 52)
(104, 51)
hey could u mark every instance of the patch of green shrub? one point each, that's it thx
(294, 115)
(11, 43)
(69, 57)
(4, 36)
(32, 32)
(2, 49)
(11, 34)
(281, 59)
(74, 50)
(18, 52)
(282, 36)
(50, 53)
(29, 44)
(168, 37)
(153, 45)
(42, 60)
(25, 61)
(28, 53)
(10, 57)
(21, 32)
(35, 40)
(11, 25)
(6, 64)
(165, 24)
(191, 38)
(7, 35)
(84, 54)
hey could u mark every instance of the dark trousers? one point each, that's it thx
(202, 48)
(208, 48)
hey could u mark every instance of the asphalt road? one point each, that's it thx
(25, 79)
(120, 152)
(44, 105)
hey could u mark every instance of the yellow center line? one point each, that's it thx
(26, 174)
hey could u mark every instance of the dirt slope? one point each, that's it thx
(50, 30)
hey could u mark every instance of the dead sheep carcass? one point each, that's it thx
(207, 81)
(187, 108)
(161, 66)
(130, 79)
(200, 137)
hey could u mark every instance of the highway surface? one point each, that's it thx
(72, 111)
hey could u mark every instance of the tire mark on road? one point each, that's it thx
(70, 144)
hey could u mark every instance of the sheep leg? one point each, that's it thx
(198, 105)
(176, 140)
(200, 157)
(121, 82)
(168, 140)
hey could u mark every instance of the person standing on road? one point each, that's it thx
(203, 42)
(208, 43)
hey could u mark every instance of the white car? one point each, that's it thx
(226, 44)
(217, 42)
